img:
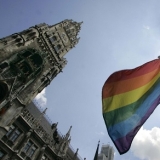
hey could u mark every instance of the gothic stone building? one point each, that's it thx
(29, 61)
(31, 136)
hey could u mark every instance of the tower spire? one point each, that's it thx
(96, 154)
(68, 133)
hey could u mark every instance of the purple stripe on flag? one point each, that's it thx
(123, 144)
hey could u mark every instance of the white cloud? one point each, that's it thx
(146, 144)
(41, 98)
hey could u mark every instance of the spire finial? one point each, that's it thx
(70, 129)
(80, 22)
(96, 153)
(44, 112)
(76, 153)
(68, 133)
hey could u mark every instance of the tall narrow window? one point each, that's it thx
(32, 151)
(3, 90)
(13, 133)
(58, 47)
(29, 149)
(2, 153)
(12, 127)
(27, 146)
(36, 60)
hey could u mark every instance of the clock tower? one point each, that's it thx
(29, 61)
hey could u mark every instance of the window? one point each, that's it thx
(13, 133)
(27, 146)
(3, 65)
(53, 39)
(58, 47)
(2, 153)
(36, 60)
(32, 151)
(4, 90)
(29, 149)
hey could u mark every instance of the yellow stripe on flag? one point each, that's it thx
(121, 100)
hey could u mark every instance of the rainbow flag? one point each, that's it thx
(129, 97)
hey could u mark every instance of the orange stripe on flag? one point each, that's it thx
(123, 86)
(136, 72)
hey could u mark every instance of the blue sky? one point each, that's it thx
(115, 35)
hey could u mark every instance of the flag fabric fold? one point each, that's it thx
(128, 98)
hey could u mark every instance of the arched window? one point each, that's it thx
(2, 153)
(36, 60)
